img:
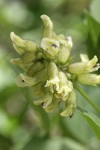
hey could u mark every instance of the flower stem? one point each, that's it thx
(87, 98)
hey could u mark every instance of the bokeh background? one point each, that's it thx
(24, 126)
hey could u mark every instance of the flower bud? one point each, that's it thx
(69, 41)
(26, 60)
(63, 55)
(48, 101)
(70, 105)
(48, 26)
(65, 42)
(28, 57)
(68, 112)
(66, 45)
(53, 82)
(18, 49)
(89, 79)
(34, 68)
(38, 90)
(17, 43)
(24, 80)
(16, 61)
(22, 45)
(83, 67)
(53, 106)
(26, 66)
(65, 86)
(44, 100)
(21, 82)
(50, 47)
(84, 57)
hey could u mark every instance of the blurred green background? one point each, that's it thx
(24, 126)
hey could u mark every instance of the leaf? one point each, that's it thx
(93, 29)
(95, 9)
(94, 122)
(93, 37)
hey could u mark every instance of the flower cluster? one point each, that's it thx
(49, 72)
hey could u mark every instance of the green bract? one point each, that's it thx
(48, 70)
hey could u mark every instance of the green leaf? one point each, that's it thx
(94, 122)
(93, 29)
(93, 37)
(95, 9)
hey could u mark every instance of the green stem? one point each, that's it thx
(87, 98)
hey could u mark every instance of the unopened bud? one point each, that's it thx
(53, 106)
(66, 45)
(89, 79)
(84, 58)
(44, 100)
(69, 40)
(48, 26)
(23, 45)
(50, 47)
(70, 105)
(64, 86)
(18, 49)
(38, 91)
(34, 68)
(16, 61)
(65, 42)
(53, 82)
(48, 101)
(84, 67)
(24, 80)
(26, 58)
(63, 55)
